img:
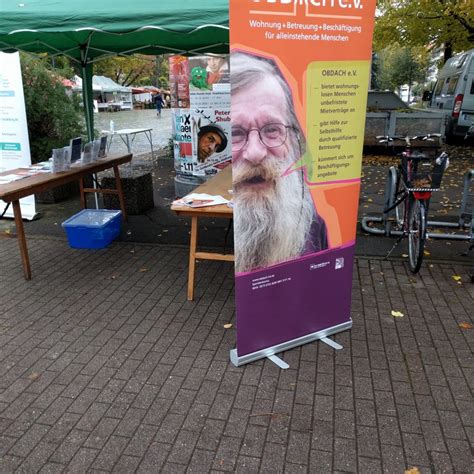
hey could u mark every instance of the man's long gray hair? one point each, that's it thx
(272, 227)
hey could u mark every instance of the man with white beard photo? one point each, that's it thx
(275, 219)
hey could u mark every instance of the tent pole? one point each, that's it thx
(86, 72)
(87, 97)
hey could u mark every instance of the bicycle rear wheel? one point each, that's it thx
(416, 234)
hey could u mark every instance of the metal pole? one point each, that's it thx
(87, 98)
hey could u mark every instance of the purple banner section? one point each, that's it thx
(287, 301)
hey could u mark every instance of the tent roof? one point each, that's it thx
(108, 85)
(108, 27)
(102, 84)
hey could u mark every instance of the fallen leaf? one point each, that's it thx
(397, 314)
(143, 269)
(412, 470)
(456, 278)
(33, 375)
(465, 325)
(426, 253)
(227, 326)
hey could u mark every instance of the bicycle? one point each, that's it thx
(413, 182)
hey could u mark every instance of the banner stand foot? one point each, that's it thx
(280, 362)
(331, 343)
(270, 352)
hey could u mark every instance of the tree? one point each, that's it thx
(53, 117)
(399, 66)
(433, 23)
(162, 72)
(408, 68)
(374, 72)
(131, 70)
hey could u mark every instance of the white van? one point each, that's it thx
(454, 94)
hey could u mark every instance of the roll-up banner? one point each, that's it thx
(299, 80)
(14, 143)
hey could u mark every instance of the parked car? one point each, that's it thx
(454, 94)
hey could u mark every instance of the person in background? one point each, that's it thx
(275, 219)
(159, 103)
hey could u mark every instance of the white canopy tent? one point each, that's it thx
(107, 94)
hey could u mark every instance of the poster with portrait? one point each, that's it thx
(297, 135)
(200, 99)
(211, 141)
(209, 81)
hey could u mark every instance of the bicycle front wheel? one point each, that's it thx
(416, 234)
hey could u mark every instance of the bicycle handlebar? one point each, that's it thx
(406, 139)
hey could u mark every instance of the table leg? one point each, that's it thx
(129, 147)
(109, 142)
(150, 139)
(22, 240)
(192, 257)
(82, 194)
(118, 185)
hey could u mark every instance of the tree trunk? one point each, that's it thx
(448, 52)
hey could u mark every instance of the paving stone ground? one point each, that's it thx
(105, 367)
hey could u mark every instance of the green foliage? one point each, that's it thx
(162, 82)
(434, 23)
(399, 66)
(162, 72)
(133, 70)
(53, 117)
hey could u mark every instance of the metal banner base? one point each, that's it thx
(280, 362)
(271, 351)
(331, 343)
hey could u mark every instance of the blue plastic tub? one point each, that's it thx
(93, 228)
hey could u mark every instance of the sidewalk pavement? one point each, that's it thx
(105, 367)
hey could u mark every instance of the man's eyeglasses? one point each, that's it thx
(272, 135)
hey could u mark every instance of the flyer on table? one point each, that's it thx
(299, 79)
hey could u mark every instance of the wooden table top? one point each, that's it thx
(220, 184)
(42, 181)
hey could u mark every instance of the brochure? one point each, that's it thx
(201, 200)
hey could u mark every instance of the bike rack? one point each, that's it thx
(466, 214)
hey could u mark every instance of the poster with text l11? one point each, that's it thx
(14, 143)
(299, 80)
